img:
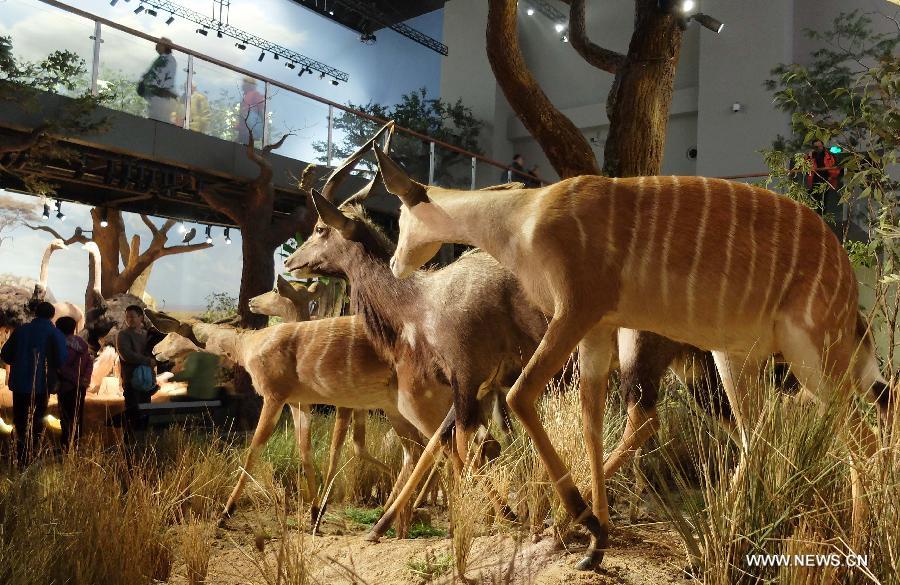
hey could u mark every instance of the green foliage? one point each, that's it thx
(453, 123)
(219, 306)
(848, 96)
(22, 82)
(431, 565)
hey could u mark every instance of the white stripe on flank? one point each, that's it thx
(817, 279)
(837, 287)
(667, 242)
(654, 216)
(573, 211)
(351, 347)
(636, 229)
(323, 352)
(698, 249)
(773, 261)
(729, 247)
(795, 255)
(748, 286)
(610, 220)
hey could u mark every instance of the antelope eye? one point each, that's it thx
(321, 229)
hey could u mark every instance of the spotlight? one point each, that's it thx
(202, 31)
(275, 56)
(139, 9)
(290, 65)
(262, 56)
(227, 236)
(564, 38)
(219, 34)
(559, 27)
(209, 234)
(240, 46)
(709, 22)
(170, 20)
(181, 227)
(151, 12)
(46, 214)
(331, 12)
(302, 71)
(334, 82)
(530, 12)
(113, 2)
(104, 217)
(59, 214)
(322, 76)
(367, 39)
(687, 6)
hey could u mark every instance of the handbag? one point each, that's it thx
(142, 88)
(143, 380)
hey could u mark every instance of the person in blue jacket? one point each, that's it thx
(34, 352)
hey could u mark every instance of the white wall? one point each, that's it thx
(714, 72)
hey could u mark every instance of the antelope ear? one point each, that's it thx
(164, 322)
(286, 289)
(398, 182)
(334, 217)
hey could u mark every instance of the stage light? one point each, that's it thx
(262, 56)
(275, 56)
(559, 27)
(240, 46)
(219, 34)
(334, 82)
(46, 213)
(530, 12)
(170, 20)
(290, 65)
(322, 76)
(151, 12)
(113, 2)
(687, 6)
(104, 217)
(209, 234)
(202, 31)
(709, 22)
(139, 9)
(227, 236)
(564, 38)
(59, 214)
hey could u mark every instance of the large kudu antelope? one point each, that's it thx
(464, 324)
(728, 267)
(326, 361)
(291, 301)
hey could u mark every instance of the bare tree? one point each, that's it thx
(117, 249)
(14, 212)
(262, 232)
(637, 104)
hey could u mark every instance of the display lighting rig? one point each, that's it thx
(245, 38)
(552, 13)
(371, 13)
(686, 11)
(104, 217)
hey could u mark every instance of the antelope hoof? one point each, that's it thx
(372, 536)
(227, 513)
(591, 560)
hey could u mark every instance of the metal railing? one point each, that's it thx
(436, 161)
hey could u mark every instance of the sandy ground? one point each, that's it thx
(641, 554)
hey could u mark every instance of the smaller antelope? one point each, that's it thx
(291, 302)
(326, 361)
(746, 274)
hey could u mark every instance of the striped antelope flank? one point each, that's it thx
(724, 266)
(326, 361)
(433, 326)
(291, 302)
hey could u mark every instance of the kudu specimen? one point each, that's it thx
(326, 361)
(291, 301)
(469, 324)
(746, 274)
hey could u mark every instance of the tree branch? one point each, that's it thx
(229, 207)
(153, 229)
(565, 146)
(171, 250)
(601, 58)
(75, 239)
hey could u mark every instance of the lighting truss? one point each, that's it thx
(370, 12)
(247, 38)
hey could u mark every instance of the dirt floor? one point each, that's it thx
(641, 554)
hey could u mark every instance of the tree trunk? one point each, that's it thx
(638, 103)
(257, 273)
(107, 239)
(139, 286)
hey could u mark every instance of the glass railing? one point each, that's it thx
(222, 100)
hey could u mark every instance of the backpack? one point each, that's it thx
(143, 380)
